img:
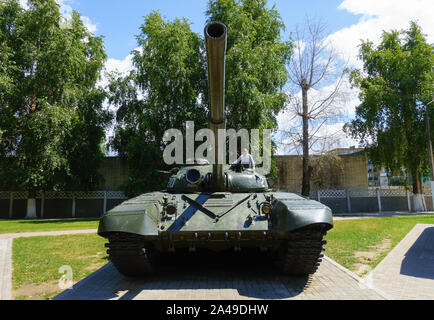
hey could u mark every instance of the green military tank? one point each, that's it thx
(216, 207)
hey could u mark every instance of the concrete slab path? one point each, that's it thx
(407, 272)
(380, 215)
(5, 269)
(44, 233)
(330, 282)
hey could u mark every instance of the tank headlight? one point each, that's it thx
(193, 176)
(266, 208)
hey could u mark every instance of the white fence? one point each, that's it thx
(83, 204)
(60, 204)
(369, 200)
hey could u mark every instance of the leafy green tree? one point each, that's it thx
(396, 85)
(51, 115)
(165, 88)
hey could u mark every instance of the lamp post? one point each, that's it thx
(430, 153)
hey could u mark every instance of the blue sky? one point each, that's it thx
(119, 21)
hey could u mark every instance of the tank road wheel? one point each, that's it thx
(129, 255)
(303, 252)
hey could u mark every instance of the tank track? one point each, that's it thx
(129, 254)
(300, 255)
(303, 252)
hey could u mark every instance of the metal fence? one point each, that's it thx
(369, 200)
(88, 204)
(63, 204)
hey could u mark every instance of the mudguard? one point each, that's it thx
(132, 219)
(291, 212)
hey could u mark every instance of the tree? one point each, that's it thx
(317, 72)
(51, 114)
(327, 171)
(165, 88)
(396, 84)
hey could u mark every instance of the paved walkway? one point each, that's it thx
(5, 269)
(407, 272)
(330, 282)
(381, 215)
(44, 233)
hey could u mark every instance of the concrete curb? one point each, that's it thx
(5, 269)
(398, 246)
(402, 285)
(361, 281)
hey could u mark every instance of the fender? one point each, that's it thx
(134, 219)
(292, 214)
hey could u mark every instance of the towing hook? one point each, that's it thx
(249, 219)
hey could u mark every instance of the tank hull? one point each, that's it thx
(215, 220)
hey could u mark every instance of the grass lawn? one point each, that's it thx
(14, 226)
(359, 245)
(36, 262)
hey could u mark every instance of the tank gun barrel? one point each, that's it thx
(215, 43)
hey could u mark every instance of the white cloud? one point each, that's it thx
(23, 4)
(88, 24)
(122, 67)
(65, 10)
(379, 16)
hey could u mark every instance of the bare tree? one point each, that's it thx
(327, 171)
(317, 74)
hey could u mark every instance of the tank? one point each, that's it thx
(216, 207)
